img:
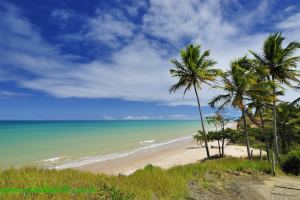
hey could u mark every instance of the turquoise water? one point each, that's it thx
(53, 143)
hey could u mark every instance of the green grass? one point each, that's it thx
(149, 183)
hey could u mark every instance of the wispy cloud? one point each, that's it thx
(10, 94)
(292, 22)
(130, 117)
(169, 117)
(109, 28)
(138, 62)
(179, 20)
(179, 117)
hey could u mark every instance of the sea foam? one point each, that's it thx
(51, 159)
(146, 141)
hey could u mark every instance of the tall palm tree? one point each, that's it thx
(281, 66)
(261, 99)
(236, 84)
(194, 70)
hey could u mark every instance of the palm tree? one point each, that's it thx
(261, 102)
(194, 70)
(261, 99)
(236, 84)
(281, 66)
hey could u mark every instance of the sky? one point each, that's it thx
(110, 59)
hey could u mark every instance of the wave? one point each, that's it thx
(52, 159)
(94, 159)
(146, 141)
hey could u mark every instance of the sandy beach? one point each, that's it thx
(177, 153)
(165, 157)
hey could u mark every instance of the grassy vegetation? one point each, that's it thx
(149, 183)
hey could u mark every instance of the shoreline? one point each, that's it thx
(119, 155)
(181, 152)
(147, 146)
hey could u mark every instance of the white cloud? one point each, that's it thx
(291, 22)
(17, 34)
(255, 13)
(130, 117)
(138, 68)
(63, 17)
(8, 94)
(144, 117)
(137, 72)
(169, 117)
(179, 117)
(135, 7)
(291, 28)
(181, 19)
(290, 8)
(203, 23)
(109, 28)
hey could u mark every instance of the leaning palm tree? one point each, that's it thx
(236, 84)
(281, 67)
(194, 70)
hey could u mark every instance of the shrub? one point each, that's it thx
(291, 163)
(149, 167)
(115, 194)
(234, 136)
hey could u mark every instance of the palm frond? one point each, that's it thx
(195, 69)
(218, 99)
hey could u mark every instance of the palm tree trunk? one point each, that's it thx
(263, 132)
(223, 133)
(246, 134)
(203, 129)
(275, 125)
(219, 146)
(283, 137)
(251, 117)
(286, 144)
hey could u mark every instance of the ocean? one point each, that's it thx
(63, 144)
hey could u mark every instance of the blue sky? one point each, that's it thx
(110, 59)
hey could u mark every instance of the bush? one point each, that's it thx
(115, 194)
(149, 167)
(291, 163)
(234, 136)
